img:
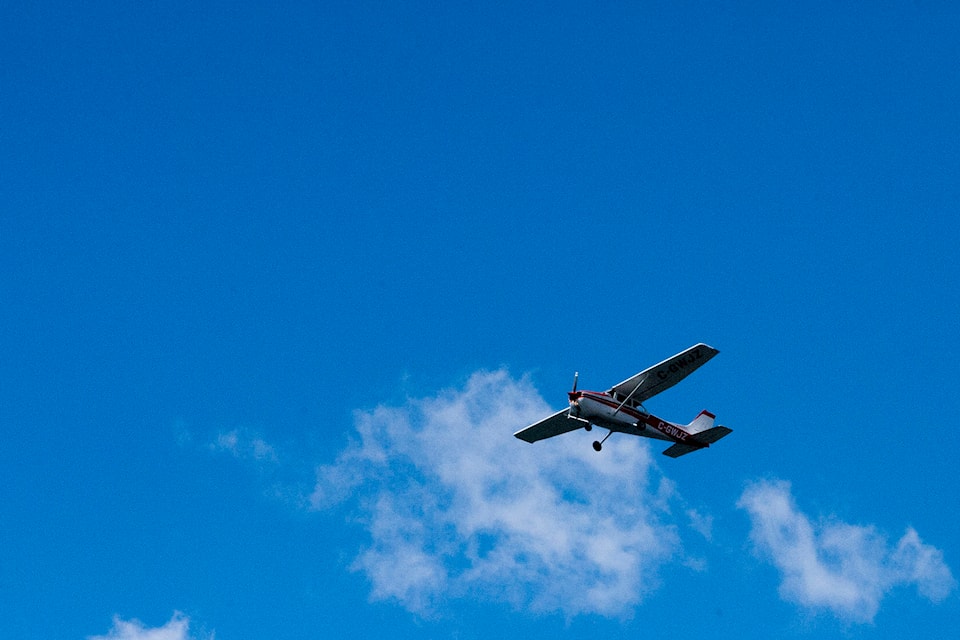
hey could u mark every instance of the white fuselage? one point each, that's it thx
(605, 411)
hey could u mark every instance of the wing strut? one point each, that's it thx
(630, 395)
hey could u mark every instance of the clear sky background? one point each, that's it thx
(277, 286)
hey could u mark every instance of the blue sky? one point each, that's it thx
(279, 284)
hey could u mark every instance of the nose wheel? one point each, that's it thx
(598, 444)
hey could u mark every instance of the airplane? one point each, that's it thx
(620, 408)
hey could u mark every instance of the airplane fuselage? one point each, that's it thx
(606, 411)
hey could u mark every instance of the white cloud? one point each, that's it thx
(244, 445)
(284, 473)
(176, 629)
(457, 507)
(701, 523)
(842, 568)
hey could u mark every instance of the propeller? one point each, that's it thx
(573, 394)
(575, 403)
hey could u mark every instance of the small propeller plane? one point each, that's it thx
(621, 408)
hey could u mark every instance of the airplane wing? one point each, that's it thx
(660, 377)
(548, 427)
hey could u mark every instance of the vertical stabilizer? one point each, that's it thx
(702, 422)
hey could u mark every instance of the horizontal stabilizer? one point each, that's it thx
(700, 440)
(680, 449)
(711, 435)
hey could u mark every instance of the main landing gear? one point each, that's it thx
(598, 444)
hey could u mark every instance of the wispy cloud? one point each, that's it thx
(178, 628)
(244, 445)
(842, 568)
(456, 507)
(284, 472)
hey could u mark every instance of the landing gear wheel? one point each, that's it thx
(598, 444)
(588, 427)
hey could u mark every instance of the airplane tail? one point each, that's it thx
(703, 435)
(700, 441)
(702, 422)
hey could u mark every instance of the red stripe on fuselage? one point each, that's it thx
(668, 429)
(603, 398)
